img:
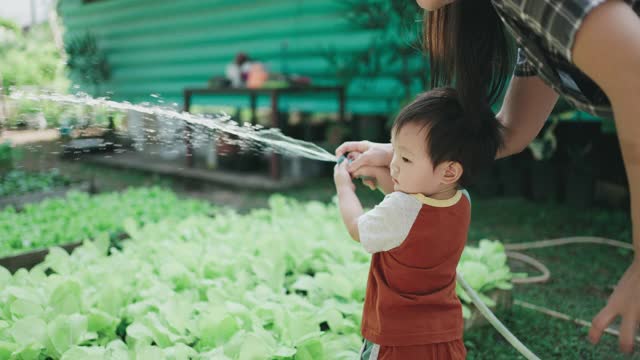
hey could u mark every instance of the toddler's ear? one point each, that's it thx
(450, 172)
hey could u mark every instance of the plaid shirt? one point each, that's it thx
(545, 31)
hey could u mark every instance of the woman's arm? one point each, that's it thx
(607, 48)
(527, 105)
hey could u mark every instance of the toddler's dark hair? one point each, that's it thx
(470, 139)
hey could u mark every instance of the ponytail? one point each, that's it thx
(467, 46)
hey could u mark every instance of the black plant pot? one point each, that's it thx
(580, 151)
(486, 183)
(580, 176)
(512, 175)
(544, 185)
(579, 187)
(315, 132)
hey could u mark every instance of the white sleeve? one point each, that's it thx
(388, 224)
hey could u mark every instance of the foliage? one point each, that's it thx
(87, 62)
(394, 48)
(284, 282)
(30, 59)
(9, 25)
(18, 182)
(6, 152)
(7, 157)
(81, 216)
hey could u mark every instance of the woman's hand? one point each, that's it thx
(371, 154)
(623, 302)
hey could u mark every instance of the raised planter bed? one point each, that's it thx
(29, 259)
(32, 258)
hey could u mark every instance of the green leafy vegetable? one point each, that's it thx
(80, 216)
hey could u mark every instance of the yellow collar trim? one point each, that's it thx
(439, 203)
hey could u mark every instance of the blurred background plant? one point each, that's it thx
(87, 62)
(8, 157)
(30, 60)
(394, 51)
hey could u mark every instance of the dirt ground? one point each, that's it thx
(27, 137)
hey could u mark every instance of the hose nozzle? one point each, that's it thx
(343, 157)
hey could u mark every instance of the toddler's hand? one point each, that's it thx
(341, 176)
(367, 174)
(372, 154)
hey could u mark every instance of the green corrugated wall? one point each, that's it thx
(162, 46)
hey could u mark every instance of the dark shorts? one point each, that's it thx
(453, 350)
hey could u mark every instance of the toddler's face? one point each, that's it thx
(411, 167)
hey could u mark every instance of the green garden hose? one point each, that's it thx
(484, 310)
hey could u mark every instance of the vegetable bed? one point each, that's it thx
(80, 216)
(278, 283)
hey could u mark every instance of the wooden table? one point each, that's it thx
(253, 94)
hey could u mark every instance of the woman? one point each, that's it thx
(588, 51)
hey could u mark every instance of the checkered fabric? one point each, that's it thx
(545, 31)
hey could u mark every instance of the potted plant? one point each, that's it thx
(392, 51)
(87, 62)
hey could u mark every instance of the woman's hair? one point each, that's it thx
(468, 47)
(449, 136)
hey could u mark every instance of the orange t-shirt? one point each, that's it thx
(416, 243)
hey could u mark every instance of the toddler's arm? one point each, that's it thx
(348, 202)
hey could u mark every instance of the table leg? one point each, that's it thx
(341, 104)
(188, 131)
(254, 118)
(275, 158)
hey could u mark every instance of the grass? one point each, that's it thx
(582, 277)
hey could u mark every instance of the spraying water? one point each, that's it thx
(270, 139)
